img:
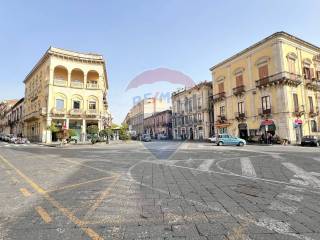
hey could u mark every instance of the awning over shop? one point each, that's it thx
(268, 125)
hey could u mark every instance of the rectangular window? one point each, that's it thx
(263, 72)
(314, 126)
(92, 105)
(222, 111)
(295, 102)
(292, 65)
(76, 104)
(307, 73)
(240, 107)
(59, 104)
(311, 104)
(318, 75)
(239, 80)
(266, 105)
(221, 87)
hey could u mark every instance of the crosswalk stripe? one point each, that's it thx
(247, 167)
(206, 164)
(307, 177)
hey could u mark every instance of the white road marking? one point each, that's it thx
(304, 175)
(279, 206)
(206, 164)
(294, 188)
(291, 197)
(247, 167)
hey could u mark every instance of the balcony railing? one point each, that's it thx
(240, 115)
(264, 111)
(76, 112)
(285, 78)
(91, 112)
(92, 86)
(58, 111)
(60, 82)
(238, 90)
(219, 97)
(76, 84)
(313, 84)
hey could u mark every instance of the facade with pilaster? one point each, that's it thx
(192, 112)
(67, 89)
(159, 125)
(272, 87)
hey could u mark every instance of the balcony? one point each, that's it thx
(283, 78)
(240, 116)
(91, 112)
(92, 86)
(75, 112)
(221, 119)
(314, 112)
(264, 112)
(60, 82)
(298, 111)
(313, 84)
(76, 84)
(238, 90)
(56, 111)
(219, 97)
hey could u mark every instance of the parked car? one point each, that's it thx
(162, 137)
(310, 141)
(226, 139)
(212, 139)
(145, 138)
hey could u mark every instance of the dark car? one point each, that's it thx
(310, 141)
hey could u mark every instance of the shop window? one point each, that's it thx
(59, 104)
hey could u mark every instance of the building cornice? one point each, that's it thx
(271, 37)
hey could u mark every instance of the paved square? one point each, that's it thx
(159, 190)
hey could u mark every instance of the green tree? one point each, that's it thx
(123, 132)
(72, 133)
(53, 128)
(92, 129)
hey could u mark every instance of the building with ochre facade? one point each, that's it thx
(270, 87)
(66, 89)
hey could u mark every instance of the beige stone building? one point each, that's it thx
(5, 108)
(192, 112)
(144, 109)
(271, 87)
(15, 118)
(67, 89)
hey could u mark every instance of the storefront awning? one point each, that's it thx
(268, 125)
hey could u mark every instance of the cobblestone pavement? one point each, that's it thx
(159, 190)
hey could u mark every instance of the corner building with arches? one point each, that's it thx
(67, 89)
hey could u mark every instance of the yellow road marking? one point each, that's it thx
(102, 196)
(78, 184)
(92, 234)
(44, 215)
(25, 192)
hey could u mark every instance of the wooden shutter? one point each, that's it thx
(221, 87)
(296, 102)
(306, 72)
(311, 104)
(263, 71)
(311, 73)
(239, 80)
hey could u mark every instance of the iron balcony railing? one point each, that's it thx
(239, 90)
(219, 97)
(287, 78)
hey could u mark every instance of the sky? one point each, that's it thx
(135, 36)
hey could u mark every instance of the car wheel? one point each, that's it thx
(241, 144)
(220, 143)
(317, 144)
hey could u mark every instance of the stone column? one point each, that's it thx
(69, 78)
(48, 132)
(83, 130)
(67, 123)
